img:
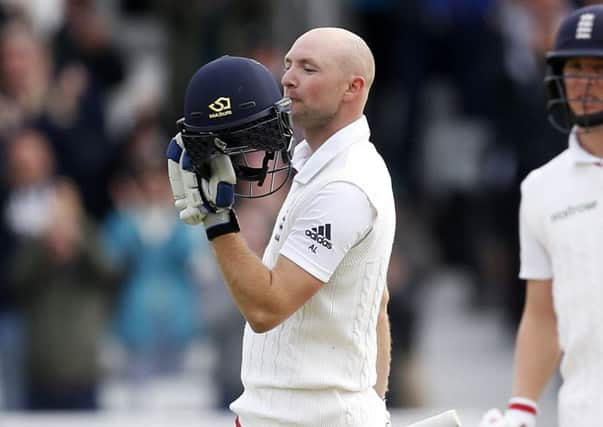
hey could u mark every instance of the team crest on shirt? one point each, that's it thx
(321, 235)
(573, 210)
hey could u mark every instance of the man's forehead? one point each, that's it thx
(300, 56)
(306, 49)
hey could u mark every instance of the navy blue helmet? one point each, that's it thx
(234, 106)
(579, 35)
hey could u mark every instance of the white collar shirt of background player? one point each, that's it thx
(337, 223)
(561, 236)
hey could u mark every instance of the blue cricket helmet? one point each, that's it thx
(234, 106)
(579, 35)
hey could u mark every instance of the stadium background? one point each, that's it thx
(457, 110)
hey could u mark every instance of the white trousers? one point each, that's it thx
(309, 408)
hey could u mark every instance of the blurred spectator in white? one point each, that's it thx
(30, 188)
(63, 284)
(44, 15)
(32, 182)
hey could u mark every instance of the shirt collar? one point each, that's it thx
(579, 154)
(308, 163)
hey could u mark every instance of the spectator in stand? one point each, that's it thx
(85, 39)
(25, 76)
(29, 189)
(64, 285)
(66, 106)
(158, 312)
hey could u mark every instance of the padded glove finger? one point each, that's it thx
(190, 182)
(184, 185)
(174, 153)
(192, 216)
(218, 190)
(492, 418)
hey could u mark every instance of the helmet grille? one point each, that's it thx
(267, 135)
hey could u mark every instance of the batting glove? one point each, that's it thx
(211, 202)
(521, 412)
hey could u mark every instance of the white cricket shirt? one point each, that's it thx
(318, 367)
(561, 235)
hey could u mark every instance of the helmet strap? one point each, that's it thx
(589, 120)
(248, 173)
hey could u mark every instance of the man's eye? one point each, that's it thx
(573, 64)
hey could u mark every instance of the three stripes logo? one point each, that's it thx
(321, 235)
(585, 26)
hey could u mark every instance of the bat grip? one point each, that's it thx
(445, 419)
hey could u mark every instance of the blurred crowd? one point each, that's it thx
(93, 254)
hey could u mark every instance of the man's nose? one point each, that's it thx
(287, 79)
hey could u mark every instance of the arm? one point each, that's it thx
(265, 297)
(537, 350)
(383, 347)
(536, 358)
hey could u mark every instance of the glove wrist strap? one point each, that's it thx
(523, 404)
(221, 223)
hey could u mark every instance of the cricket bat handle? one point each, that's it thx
(445, 419)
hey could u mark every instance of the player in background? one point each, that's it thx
(561, 236)
(316, 347)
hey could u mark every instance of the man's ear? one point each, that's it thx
(355, 88)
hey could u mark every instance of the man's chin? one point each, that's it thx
(299, 118)
(590, 129)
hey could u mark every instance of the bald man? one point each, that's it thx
(316, 347)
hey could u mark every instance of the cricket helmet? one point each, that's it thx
(579, 35)
(234, 106)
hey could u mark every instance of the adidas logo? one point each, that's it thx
(321, 235)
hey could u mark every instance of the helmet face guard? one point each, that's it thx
(560, 113)
(579, 36)
(234, 106)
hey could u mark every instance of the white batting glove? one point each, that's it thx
(521, 412)
(183, 181)
(211, 202)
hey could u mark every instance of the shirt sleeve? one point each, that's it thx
(534, 258)
(338, 218)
